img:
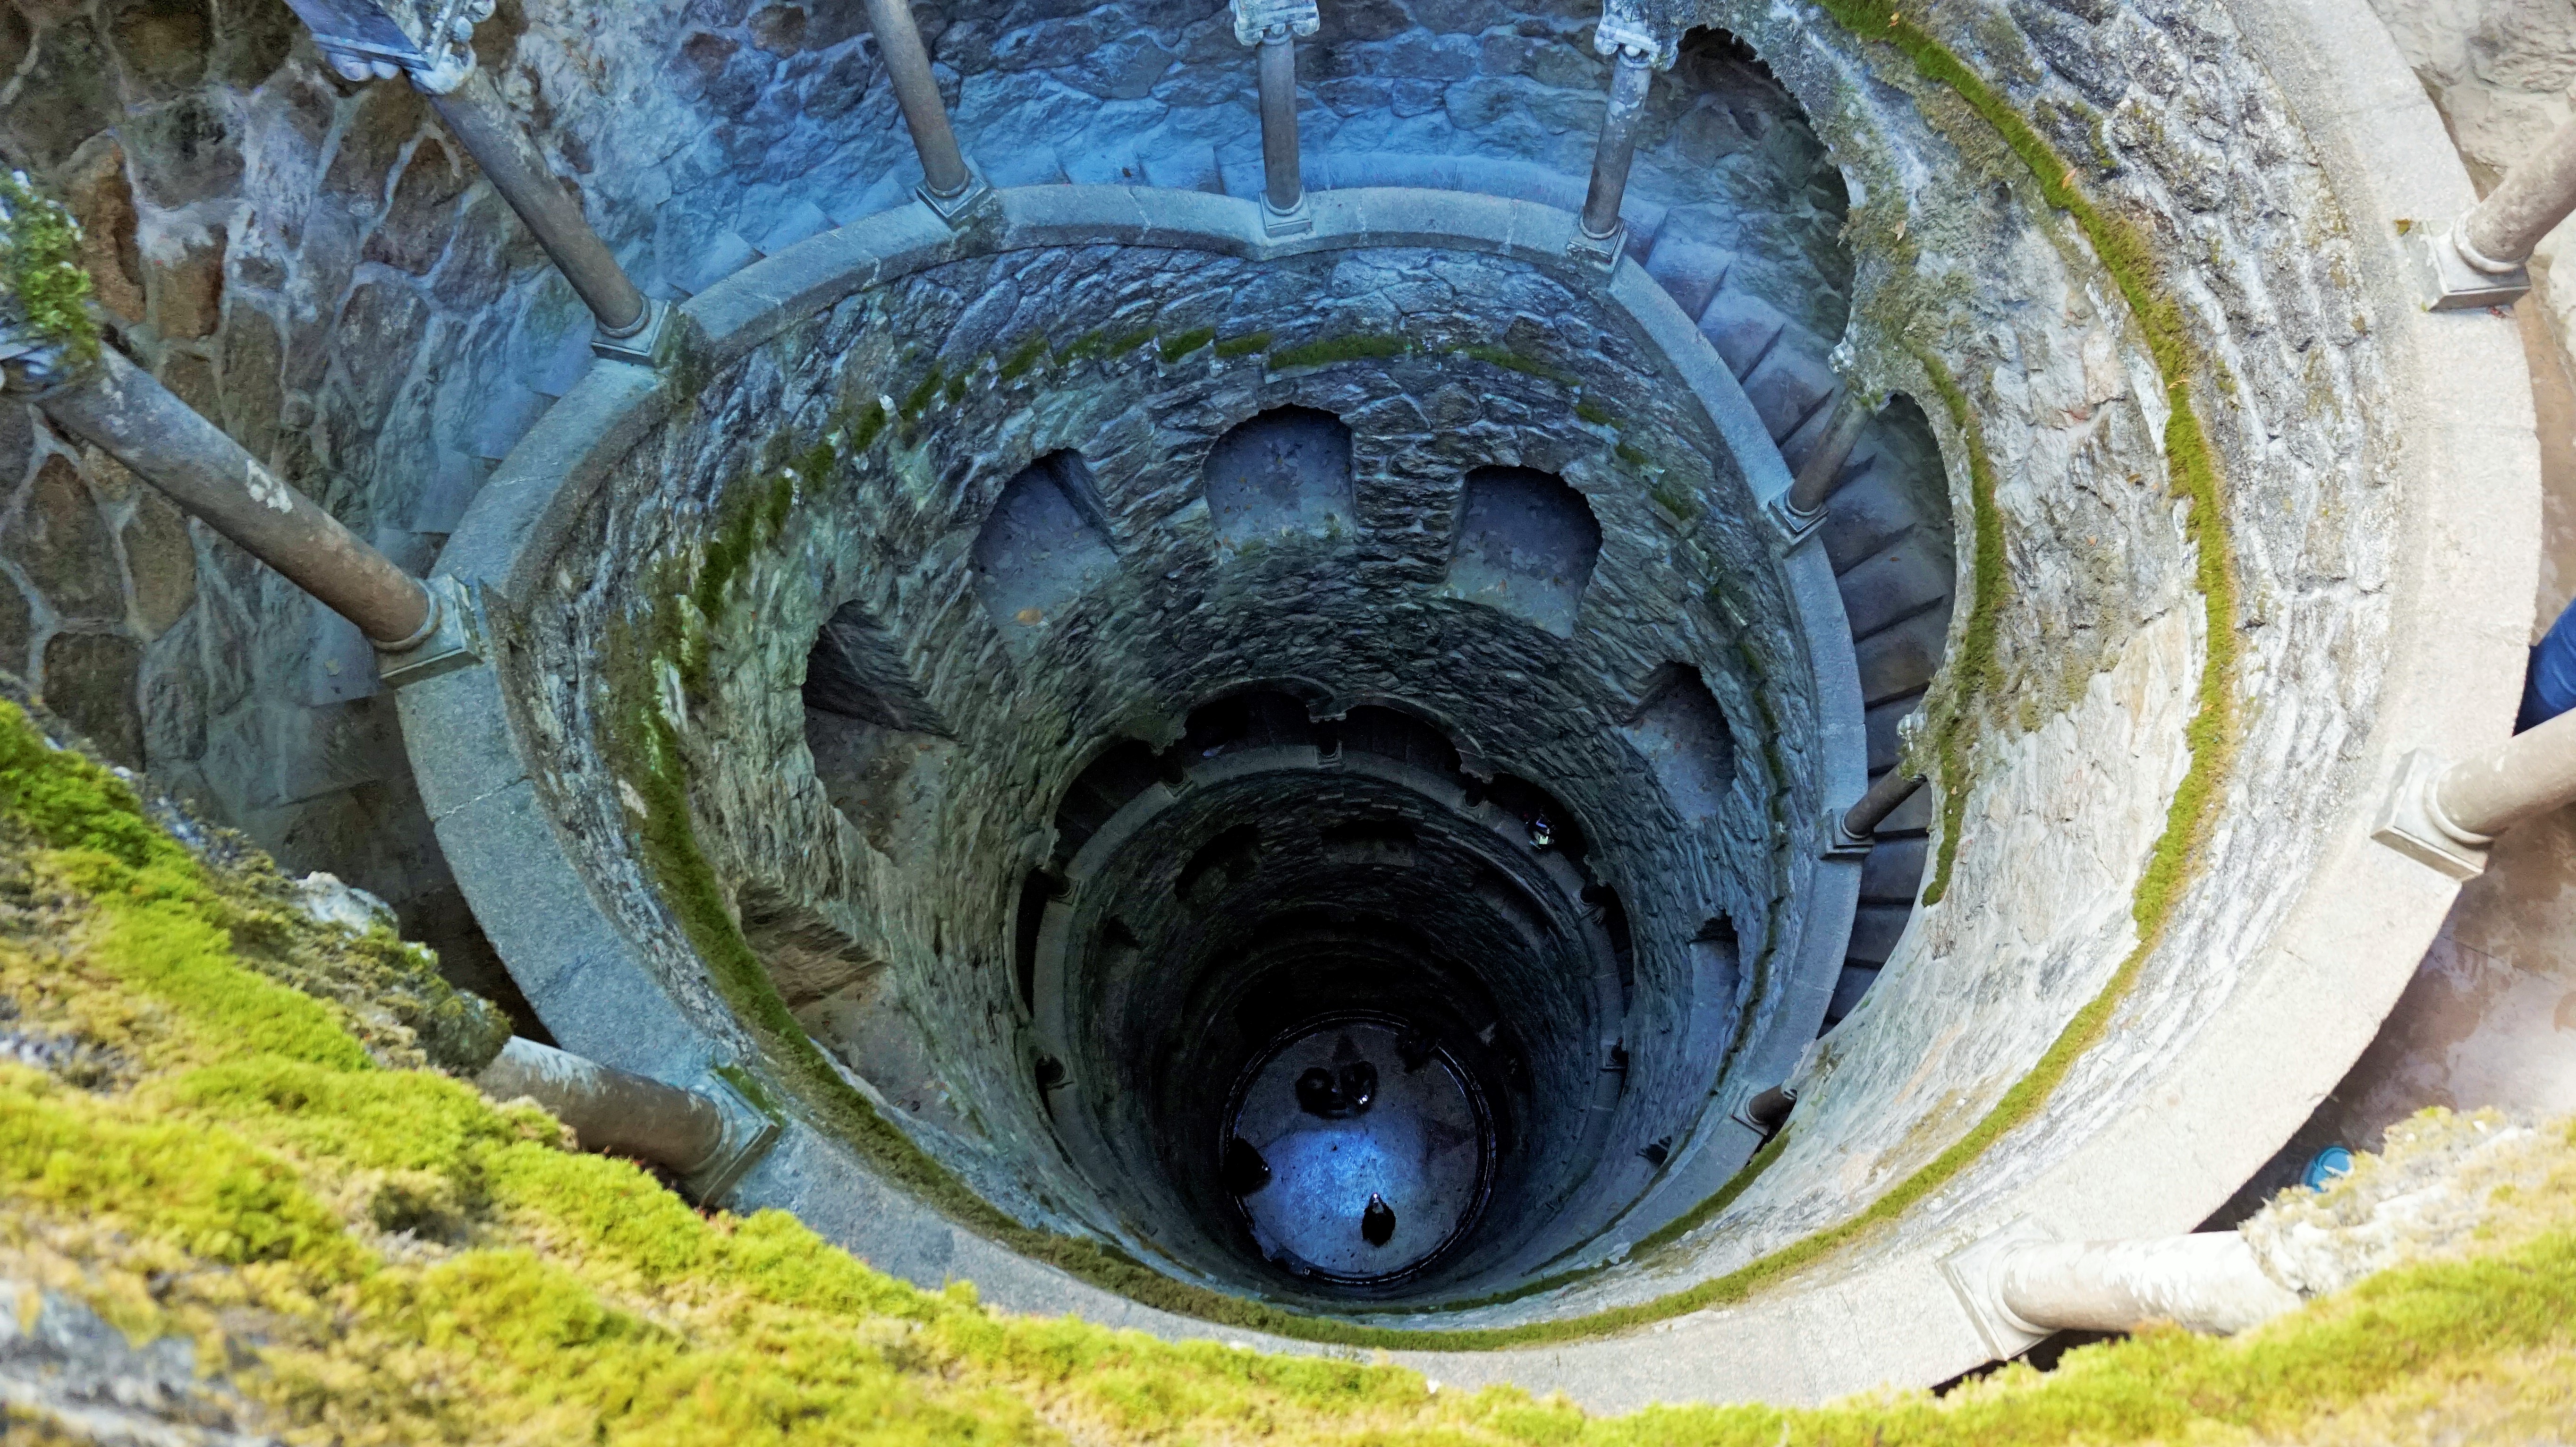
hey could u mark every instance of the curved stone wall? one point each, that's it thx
(2119, 619)
(1188, 344)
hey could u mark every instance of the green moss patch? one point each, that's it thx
(40, 267)
(1971, 666)
(1357, 347)
(1187, 342)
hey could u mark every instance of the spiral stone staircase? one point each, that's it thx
(979, 682)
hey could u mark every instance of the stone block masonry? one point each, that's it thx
(316, 266)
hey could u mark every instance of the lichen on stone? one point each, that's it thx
(47, 290)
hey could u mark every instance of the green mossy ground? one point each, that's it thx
(373, 1252)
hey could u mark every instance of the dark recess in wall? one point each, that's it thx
(1526, 544)
(1287, 470)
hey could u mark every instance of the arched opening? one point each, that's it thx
(1525, 544)
(1044, 545)
(1285, 471)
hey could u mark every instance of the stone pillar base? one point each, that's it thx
(1601, 253)
(1295, 221)
(2449, 283)
(958, 210)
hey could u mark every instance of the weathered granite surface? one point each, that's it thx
(2167, 117)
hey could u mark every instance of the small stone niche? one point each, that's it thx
(879, 746)
(1286, 471)
(1682, 732)
(808, 957)
(1044, 545)
(1526, 543)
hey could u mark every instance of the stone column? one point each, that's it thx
(611, 1110)
(50, 354)
(2478, 259)
(134, 419)
(2446, 814)
(1850, 833)
(1271, 27)
(428, 41)
(948, 185)
(1798, 511)
(1603, 233)
(2207, 1282)
(1640, 37)
(708, 1137)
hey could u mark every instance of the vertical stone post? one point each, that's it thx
(1822, 472)
(1640, 37)
(1631, 72)
(428, 41)
(1271, 27)
(948, 185)
(1798, 511)
(473, 113)
(2209, 1282)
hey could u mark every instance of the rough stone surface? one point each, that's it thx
(96, 692)
(315, 265)
(2438, 1186)
(2166, 115)
(66, 1368)
(60, 544)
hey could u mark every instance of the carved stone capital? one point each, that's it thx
(1255, 18)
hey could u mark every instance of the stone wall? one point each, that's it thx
(2078, 745)
(317, 267)
(1139, 359)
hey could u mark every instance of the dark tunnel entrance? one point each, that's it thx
(1310, 973)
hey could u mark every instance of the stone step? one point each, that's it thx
(1902, 659)
(1892, 586)
(1854, 983)
(1893, 872)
